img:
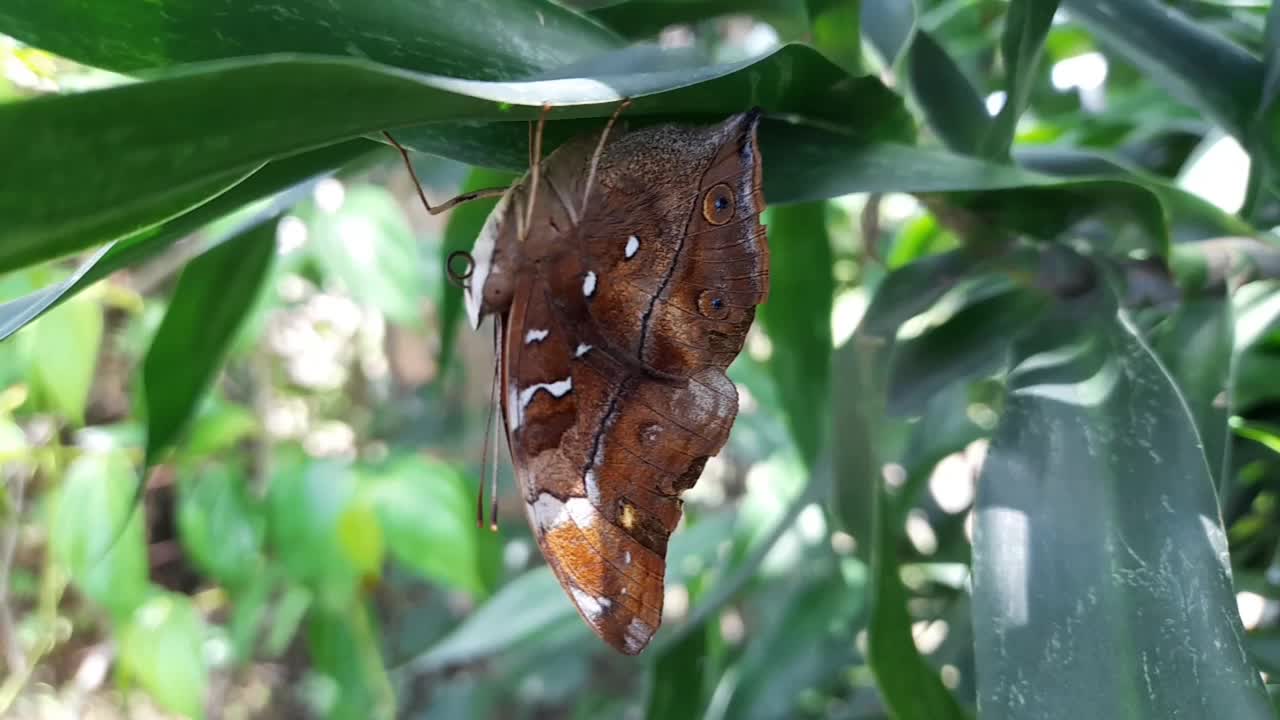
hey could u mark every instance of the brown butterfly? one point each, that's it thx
(623, 273)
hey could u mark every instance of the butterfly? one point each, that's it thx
(623, 272)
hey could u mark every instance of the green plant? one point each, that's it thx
(1051, 285)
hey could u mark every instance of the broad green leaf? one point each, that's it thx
(1196, 344)
(368, 245)
(428, 518)
(162, 647)
(107, 564)
(1084, 599)
(530, 604)
(1026, 25)
(1217, 77)
(212, 297)
(274, 177)
(64, 353)
(218, 528)
(51, 223)
(219, 426)
(155, 139)
(1039, 204)
(797, 317)
(481, 39)
(464, 227)
(305, 502)
(343, 647)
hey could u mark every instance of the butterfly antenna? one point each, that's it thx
(595, 157)
(535, 165)
(417, 184)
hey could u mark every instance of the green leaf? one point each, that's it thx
(817, 167)
(428, 517)
(46, 226)
(368, 245)
(797, 317)
(465, 223)
(1097, 529)
(678, 686)
(274, 177)
(64, 350)
(107, 564)
(304, 504)
(1195, 344)
(952, 106)
(1200, 67)
(437, 36)
(218, 528)
(343, 646)
(213, 295)
(834, 30)
(162, 647)
(1026, 26)
(153, 140)
(970, 342)
(531, 604)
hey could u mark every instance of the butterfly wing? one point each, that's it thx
(674, 259)
(601, 454)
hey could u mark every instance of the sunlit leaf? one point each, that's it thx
(64, 352)
(162, 648)
(428, 516)
(107, 563)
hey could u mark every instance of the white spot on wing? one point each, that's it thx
(535, 335)
(582, 512)
(593, 487)
(637, 635)
(582, 350)
(633, 246)
(559, 388)
(548, 512)
(626, 557)
(590, 606)
(589, 284)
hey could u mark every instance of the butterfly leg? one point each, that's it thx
(595, 156)
(448, 204)
(535, 164)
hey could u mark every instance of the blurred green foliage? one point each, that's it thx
(1009, 436)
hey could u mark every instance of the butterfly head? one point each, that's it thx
(492, 282)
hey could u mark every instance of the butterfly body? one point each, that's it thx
(622, 295)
